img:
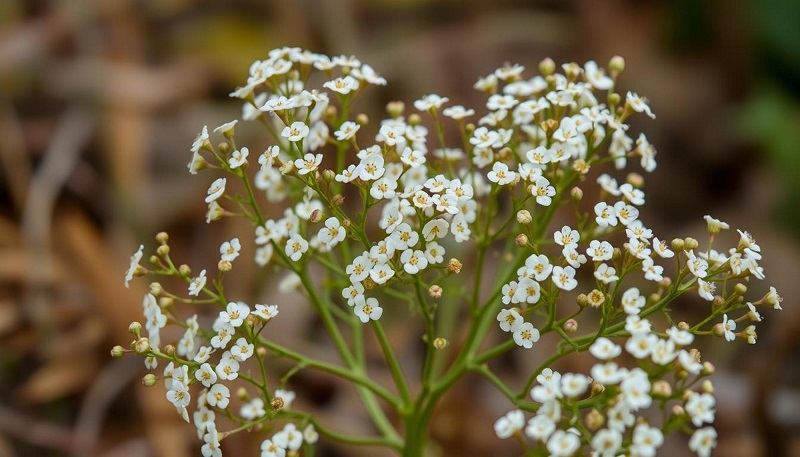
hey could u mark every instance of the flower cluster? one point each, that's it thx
(380, 218)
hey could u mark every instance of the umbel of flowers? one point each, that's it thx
(434, 198)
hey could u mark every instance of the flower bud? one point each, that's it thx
(654, 297)
(261, 351)
(316, 216)
(156, 289)
(169, 350)
(454, 266)
(331, 111)
(614, 99)
(597, 388)
(241, 394)
(571, 326)
(521, 240)
(277, 403)
(576, 194)
(165, 302)
(582, 300)
(594, 420)
(635, 179)
(572, 70)
(677, 410)
(395, 109)
(718, 330)
(524, 217)
(135, 328)
(581, 166)
(677, 244)
(665, 282)
(708, 369)
(287, 167)
(362, 119)
(661, 389)
(414, 120)
(690, 243)
(740, 289)
(616, 64)
(117, 351)
(153, 259)
(549, 126)
(435, 291)
(162, 251)
(682, 325)
(337, 200)
(149, 380)
(329, 175)
(162, 237)
(224, 148)
(184, 270)
(369, 284)
(547, 67)
(616, 253)
(439, 343)
(142, 345)
(707, 386)
(215, 212)
(504, 154)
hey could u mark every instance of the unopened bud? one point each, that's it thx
(316, 216)
(614, 99)
(708, 368)
(665, 282)
(156, 289)
(571, 326)
(439, 343)
(153, 259)
(261, 352)
(682, 325)
(435, 291)
(142, 345)
(184, 270)
(337, 200)
(169, 350)
(414, 120)
(165, 302)
(135, 328)
(149, 380)
(616, 64)
(454, 266)
(521, 240)
(690, 243)
(654, 297)
(661, 389)
(597, 388)
(241, 393)
(117, 351)
(362, 119)
(547, 67)
(740, 289)
(331, 111)
(395, 109)
(635, 179)
(224, 266)
(595, 420)
(524, 217)
(582, 300)
(678, 410)
(549, 126)
(707, 386)
(162, 251)
(576, 194)
(223, 148)
(504, 154)
(329, 175)
(678, 244)
(162, 237)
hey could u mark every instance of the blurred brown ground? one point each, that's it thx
(100, 100)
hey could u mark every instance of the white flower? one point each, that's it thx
(413, 260)
(359, 269)
(509, 319)
(287, 396)
(567, 237)
(216, 189)
(270, 449)
(605, 274)
(253, 409)
(289, 438)
(381, 273)
(346, 131)
(703, 440)
(238, 158)
(525, 335)
(210, 446)
(607, 442)
(342, 85)
(646, 440)
(206, 375)
(728, 326)
(229, 250)
(543, 191)
(696, 265)
(626, 214)
(296, 246)
(662, 249)
(412, 157)
(508, 425)
(235, 313)
(528, 291)
(652, 271)
(600, 251)
(606, 215)
(135, 258)
(429, 102)
(458, 112)
(309, 162)
(296, 132)
(197, 283)
(700, 408)
(564, 277)
(563, 444)
(332, 234)
(596, 76)
(368, 309)
(228, 367)
(706, 289)
(178, 395)
(219, 395)
(226, 128)
(574, 384)
(540, 427)
(242, 350)
(501, 175)
(632, 301)
(639, 104)
(605, 349)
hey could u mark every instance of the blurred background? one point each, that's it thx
(100, 101)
